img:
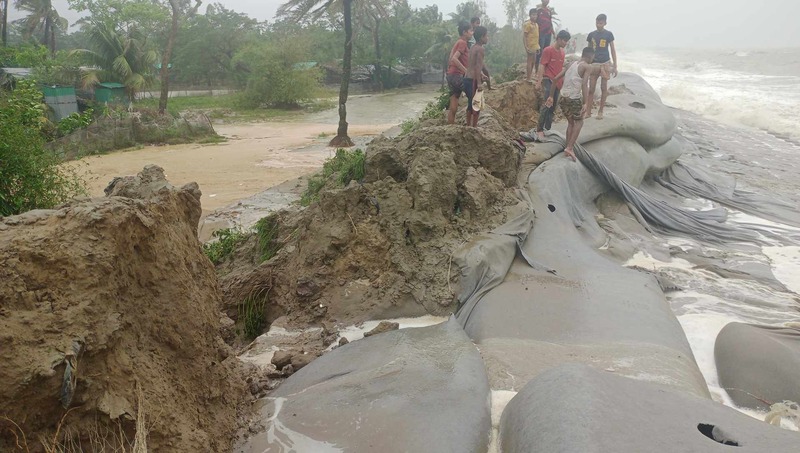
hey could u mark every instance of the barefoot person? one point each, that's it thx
(473, 82)
(551, 67)
(575, 97)
(476, 22)
(457, 68)
(530, 38)
(602, 40)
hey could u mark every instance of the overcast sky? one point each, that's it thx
(729, 24)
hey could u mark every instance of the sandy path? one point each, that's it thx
(257, 155)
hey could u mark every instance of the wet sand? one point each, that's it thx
(257, 156)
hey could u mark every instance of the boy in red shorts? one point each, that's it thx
(457, 68)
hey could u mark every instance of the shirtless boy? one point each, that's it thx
(575, 100)
(473, 82)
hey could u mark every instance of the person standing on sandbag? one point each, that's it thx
(552, 65)
(602, 40)
(575, 98)
(457, 68)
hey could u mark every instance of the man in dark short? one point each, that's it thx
(457, 68)
(605, 59)
(548, 75)
(476, 22)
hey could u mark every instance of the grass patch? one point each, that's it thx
(226, 107)
(213, 139)
(347, 165)
(252, 314)
(407, 126)
(227, 240)
(267, 234)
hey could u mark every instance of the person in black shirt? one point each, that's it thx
(605, 56)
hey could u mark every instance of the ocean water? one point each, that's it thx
(742, 110)
(756, 88)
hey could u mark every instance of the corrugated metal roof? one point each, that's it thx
(111, 85)
(18, 72)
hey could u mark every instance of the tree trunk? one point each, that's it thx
(52, 40)
(46, 37)
(342, 139)
(173, 32)
(4, 24)
(376, 38)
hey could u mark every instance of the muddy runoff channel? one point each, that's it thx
(257, 156)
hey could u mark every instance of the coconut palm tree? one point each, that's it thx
(302, 9)
(44, 17)
(123, 57)
(4, 22)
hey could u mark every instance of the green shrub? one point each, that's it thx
(31, 176)
(227, 240)
(267, 234)
(75, 121)
(252, 314)
(407, 126)
(435, 109)
(347, 165)
(276, 76)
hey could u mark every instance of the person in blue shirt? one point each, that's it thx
(605, 57)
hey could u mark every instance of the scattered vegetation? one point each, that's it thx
(267, 234)
(347, 165)
(252, 316)
(407, 126)
(226, 241)
(75, 121)
(435, 109)
(30, 175)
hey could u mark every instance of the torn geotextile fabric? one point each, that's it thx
(708, 225)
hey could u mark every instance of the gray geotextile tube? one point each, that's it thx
(694, 182)
(583, 308)
(575, 408)
(758, 365)
(707, 225)
(421, 389)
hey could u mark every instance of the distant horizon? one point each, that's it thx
(634, 23)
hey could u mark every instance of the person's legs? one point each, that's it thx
(577, 125)
(531, 58)
(544, 42)
(469, 91)
(551, 114)
(568, 149)
(544, 111)
(603, 96)
(455, 83)
(592, 87)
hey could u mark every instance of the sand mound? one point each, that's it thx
(100, 297)
(518, 102)
(382, 248)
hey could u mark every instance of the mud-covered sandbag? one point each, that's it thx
(575, 408)
(409, 390)
(758, 365)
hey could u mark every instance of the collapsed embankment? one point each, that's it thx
(382, 247)
(552, 316)
(109, 318)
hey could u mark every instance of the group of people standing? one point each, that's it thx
(466, 70)
(574, 85)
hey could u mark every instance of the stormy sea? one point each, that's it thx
(742, 111)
